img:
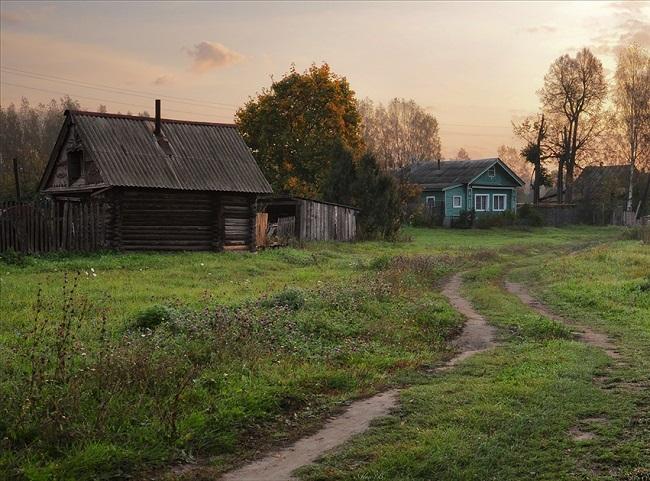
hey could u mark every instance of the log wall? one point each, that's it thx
(155, 219)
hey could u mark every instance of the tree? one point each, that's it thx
(340, 183)
(377, 196)
(28, 134)
(534, 131)
(573, 95)
(293, 128)
(462, 154)
(400, 133)
(632, 101)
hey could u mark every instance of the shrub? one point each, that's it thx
(529, 216)
(152, 316)
(291, 298)
(465, 220)
(12, 257)
(488, 221)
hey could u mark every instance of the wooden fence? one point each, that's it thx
(40, 227)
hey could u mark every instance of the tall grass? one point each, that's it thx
(179, 382)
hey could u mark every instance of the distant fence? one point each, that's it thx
(47, 226)
(558, 214)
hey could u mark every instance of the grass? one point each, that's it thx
(508, 414)
(159, 358)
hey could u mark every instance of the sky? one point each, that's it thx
(475, 66)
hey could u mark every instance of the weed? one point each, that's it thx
(152, 316)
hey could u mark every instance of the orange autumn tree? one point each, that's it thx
(294, 126)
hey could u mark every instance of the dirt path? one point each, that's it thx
(477, 336)
(584, 333)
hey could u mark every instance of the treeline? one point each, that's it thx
(28, 134)
(313, 138)
(585, 118)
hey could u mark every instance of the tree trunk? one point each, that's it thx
(644, 198)
(560, 181)
(569, 182)
(630, 188)
(536, 183)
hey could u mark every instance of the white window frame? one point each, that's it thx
(487, 202)
(426, 201)
(458, 205)
(505, 202)
(492, 172)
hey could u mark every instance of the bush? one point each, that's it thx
(290, 298)
(529, 216)
(151, 317)
(464, 221)
(503, 219)
(12, 257)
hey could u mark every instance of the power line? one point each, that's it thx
(101, 100)
(124, 91)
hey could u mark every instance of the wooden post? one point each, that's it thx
(17, 179)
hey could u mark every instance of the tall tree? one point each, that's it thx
(400, 133)
(534, 131)
(632, 101)
(462, 154)
(28, 133)
(573, 96)
(293, 127)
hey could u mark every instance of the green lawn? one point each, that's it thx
(509, 414)
(253, 349)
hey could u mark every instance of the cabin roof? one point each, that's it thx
(452, 172)
(193, 156)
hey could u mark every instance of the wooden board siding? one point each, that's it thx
(164, 220)
(239, 224)
(320, 221)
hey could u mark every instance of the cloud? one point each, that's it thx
(633, 26)
(210, 55)
(11, 18)
(628, 7)
(541, 29)
(163, 80)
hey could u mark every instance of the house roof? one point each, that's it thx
(598, 177)
(604, 174)
(197, 155)
(452, 172)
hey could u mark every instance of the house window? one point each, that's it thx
(457, 202)
(431, 202)
(492, 172)
(481, 202)
(499, 202)
(75, 159)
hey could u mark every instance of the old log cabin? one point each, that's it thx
(167, 184)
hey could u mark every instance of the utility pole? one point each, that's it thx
(17, 179)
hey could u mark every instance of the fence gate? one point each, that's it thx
(48, 226)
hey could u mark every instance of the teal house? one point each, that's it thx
(449, 187)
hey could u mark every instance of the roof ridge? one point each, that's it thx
(140, 117)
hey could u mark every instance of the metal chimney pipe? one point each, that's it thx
(438, 163)
(158, 129)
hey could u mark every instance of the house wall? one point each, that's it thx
(161, 219)
(450, 210)
(501, 178)
(511, 198)
(90, 174)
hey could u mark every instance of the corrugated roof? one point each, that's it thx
(451, 172)
(202, 156)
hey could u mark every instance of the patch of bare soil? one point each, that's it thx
(477, 335)
(584, 333)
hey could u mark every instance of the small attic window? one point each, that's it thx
(75, 160)
(492, 171)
